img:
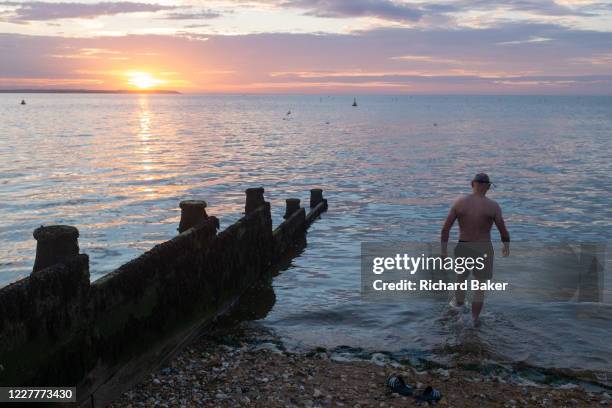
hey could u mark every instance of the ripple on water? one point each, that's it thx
(117, 166)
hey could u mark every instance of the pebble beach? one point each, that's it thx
(236, 368)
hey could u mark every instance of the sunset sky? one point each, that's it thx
(310, 46)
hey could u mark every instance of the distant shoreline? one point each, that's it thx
(90, 91)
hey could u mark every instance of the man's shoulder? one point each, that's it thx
(492, 202)
(461, 199)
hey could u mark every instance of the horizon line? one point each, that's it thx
(248, 93)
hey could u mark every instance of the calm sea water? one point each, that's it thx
(116, 167)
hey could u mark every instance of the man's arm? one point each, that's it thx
(503, 232)
(448, 224)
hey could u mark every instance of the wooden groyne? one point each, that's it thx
(59, 329)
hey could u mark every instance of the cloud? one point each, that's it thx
(197, 26)
(200, 15)
(539, 7)
(43, 11)
(458, 60)
(529, 40)
(383, 9)
(457, 75)
(89, 53)
(399, 11)
(597, 59)
(426, 59)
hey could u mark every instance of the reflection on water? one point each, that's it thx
(144, 131)
(116, 166)
(258, 300)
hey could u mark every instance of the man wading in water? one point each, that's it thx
(476, 214)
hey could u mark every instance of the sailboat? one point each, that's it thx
(354, 101)
(23, 102)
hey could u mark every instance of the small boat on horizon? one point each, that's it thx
(354, 101)
(23, 102)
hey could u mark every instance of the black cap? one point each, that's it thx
(482, 178)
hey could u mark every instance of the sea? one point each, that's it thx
(116, 167)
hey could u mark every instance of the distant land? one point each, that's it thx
(91, 91)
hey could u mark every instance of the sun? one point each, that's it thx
(142, 80)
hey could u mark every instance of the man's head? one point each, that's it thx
(481, 183)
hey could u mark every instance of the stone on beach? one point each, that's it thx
(248, 375)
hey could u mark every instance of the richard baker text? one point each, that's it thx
(430, 285)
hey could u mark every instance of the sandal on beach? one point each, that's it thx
(430, 394)
(397, 384)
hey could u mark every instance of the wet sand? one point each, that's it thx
(241, 367)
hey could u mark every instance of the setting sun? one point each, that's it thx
(143, 80)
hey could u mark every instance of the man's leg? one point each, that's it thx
(460, 293)
(461, 277)
(477, 304)
(483, 276)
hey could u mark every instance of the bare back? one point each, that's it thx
(476, 215)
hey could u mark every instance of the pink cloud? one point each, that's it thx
(43, 11)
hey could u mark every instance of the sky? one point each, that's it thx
(310, 46)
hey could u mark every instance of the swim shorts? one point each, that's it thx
(475, 250)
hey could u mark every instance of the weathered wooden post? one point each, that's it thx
(55, 244)
(193, 212)
(318, 205)
(254, 199)
(293, 205)
(316, 196)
